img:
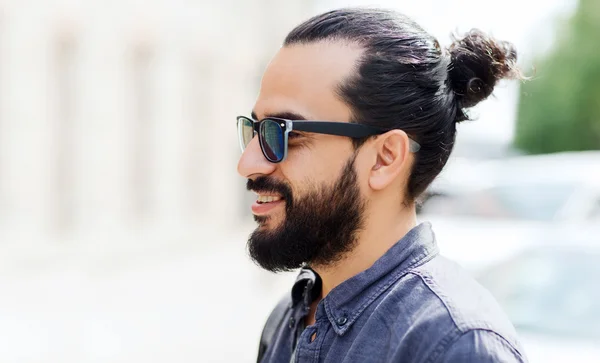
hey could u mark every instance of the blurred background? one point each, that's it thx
(123, 222)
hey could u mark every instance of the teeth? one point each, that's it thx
(267, 198)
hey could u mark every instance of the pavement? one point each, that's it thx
(194, 300)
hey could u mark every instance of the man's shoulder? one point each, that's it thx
(463, 300)
(440, 302)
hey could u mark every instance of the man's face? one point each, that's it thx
(310, 206)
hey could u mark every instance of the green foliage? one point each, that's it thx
(559, 107)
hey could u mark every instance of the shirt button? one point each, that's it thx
(342, 320)
(292, 322)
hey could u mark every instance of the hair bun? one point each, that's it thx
(477, 63)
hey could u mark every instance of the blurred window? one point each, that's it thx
(535, 201)
(199, 110)
(65, 78)
(553, 291)
(143, 130)
(540, 202)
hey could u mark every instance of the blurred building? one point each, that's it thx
(118, 118)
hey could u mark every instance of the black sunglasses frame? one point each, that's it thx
(352, 130)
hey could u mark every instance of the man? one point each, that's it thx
(355, 117)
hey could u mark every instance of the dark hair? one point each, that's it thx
(405, 80)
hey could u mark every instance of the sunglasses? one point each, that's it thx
(273, 133)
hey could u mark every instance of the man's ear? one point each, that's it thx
(392, 159)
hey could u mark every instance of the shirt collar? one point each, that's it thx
(307, 287)
(347, 301)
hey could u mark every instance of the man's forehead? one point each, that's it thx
(326, 60)
(304, 79)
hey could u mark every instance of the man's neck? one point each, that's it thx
(374, 241)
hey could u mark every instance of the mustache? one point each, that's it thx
(265, 184)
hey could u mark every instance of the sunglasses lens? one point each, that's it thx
(272, 140)
(245, 132)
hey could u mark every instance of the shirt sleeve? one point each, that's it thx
(482, 346)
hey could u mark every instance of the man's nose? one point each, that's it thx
(253, 162)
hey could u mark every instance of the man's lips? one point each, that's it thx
(260, 209)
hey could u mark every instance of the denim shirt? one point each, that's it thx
(412, 305)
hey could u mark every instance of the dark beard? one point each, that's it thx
(319, 228)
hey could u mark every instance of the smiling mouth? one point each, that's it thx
(266, 204)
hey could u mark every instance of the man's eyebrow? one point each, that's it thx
(288, 115)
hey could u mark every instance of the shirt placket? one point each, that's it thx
(306, 348)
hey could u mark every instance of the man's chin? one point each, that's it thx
(267, 222)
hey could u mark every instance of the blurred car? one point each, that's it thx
(487, 211)
(529, 228)
(551, 294)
